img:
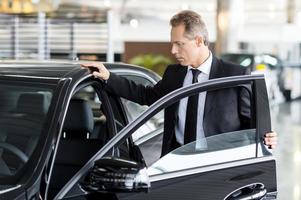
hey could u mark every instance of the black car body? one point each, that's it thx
(63, 136)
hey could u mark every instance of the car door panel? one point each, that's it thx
(210, 183)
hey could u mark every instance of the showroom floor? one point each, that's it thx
(286, 120)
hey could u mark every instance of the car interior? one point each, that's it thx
(21, 126)
(77, 144)
(86, 130)
(80, 139)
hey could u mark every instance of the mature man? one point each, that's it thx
(230, 110)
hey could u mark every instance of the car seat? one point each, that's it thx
(22, 127)
(75, 146)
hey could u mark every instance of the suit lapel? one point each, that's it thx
(216, 70)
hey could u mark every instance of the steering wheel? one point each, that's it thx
(15, 150)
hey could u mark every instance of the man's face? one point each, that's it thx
(185, 50)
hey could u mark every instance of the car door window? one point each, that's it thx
(221, 148)
(223, 132)
(23, 114)
(133, 110)
(232, 131)
(221, 104)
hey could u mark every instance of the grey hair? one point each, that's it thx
(193, 23)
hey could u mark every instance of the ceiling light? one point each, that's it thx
(184, 6)
(35, 1)
(107, 3)
(134, 23)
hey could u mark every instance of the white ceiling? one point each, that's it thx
(261, 22)
(258, 10)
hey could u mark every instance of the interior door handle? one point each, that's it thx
(248, 192)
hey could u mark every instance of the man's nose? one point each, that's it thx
(174, 49)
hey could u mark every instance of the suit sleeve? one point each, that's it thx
(143, 95)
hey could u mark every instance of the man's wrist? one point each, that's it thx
(109, 77)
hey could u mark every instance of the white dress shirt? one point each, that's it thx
(180, 126)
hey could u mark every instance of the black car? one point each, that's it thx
(252, 60)
(269, 65)
(64, 136)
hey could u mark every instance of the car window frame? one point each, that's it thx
(98, 87)
(263, 122)
(153, 79)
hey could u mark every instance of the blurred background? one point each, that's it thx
(262, 35)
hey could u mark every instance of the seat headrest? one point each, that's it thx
(79, 118)
(32, 104)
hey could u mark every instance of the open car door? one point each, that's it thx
(231, 164)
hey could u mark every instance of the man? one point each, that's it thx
(217, 111)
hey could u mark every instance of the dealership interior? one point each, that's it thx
(262, 35)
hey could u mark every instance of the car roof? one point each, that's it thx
(60, 69)
(239, 54)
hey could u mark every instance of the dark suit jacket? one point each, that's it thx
(225, 110)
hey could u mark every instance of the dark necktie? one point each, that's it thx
(192, 112)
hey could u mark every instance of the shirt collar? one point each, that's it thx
(205, 67)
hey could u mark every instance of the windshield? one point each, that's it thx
(23, 110)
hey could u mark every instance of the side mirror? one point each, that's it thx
(116, 175)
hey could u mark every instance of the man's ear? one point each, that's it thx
(199, 41)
